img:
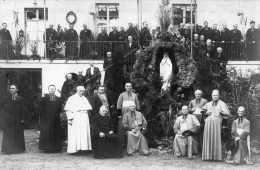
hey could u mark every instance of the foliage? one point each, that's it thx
(34, 51)
(146, 81)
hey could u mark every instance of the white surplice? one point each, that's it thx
(79, 131)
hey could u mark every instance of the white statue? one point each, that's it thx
(166, 71)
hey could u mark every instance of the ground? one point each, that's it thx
(34, 160)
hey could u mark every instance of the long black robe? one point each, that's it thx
(50, 124)
(71, 38)
(86, 46)
(67, 90)
(103, 46)
(145, 37)
(6, 49)
(13, 135)
(108, 146)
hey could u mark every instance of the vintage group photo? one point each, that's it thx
(129, 84)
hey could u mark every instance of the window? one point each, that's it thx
(107, 16)
(36, 14)
(182, 13)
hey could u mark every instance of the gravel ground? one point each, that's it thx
(34, 160)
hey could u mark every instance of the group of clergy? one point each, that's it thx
(108, 138)
(189, 134)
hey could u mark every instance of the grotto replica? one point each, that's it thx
(161, 107)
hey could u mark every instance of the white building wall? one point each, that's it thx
(54, 73)
(214, 11)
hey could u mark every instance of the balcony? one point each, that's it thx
(96, 50)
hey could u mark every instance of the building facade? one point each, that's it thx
(33, 16)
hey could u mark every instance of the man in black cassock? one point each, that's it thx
(107, 143)
(145, 36)
(68, 88)
(122, 33)
(12, 111)
(5, 43)
(235, 38)
(51, 37)
(103, 45)
(71, 38)
(80, 79)
(132, 31)
(50, 123)
(206, 31)
(86, 37)
(215, 33)
(92, 77)
(130, 48)
(225, 34)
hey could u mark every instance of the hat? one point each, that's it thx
(251, 22)
(80, 88)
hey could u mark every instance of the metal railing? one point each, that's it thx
(70, 50)
(58, 50)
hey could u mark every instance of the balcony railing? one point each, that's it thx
(71, 50)
(58, 50)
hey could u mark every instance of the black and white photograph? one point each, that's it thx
(129, 84)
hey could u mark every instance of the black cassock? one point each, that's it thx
(6, 49)
(86, 46)
(108, 146)
(71, 38)
(67, 90)
(50, 124)
(13, 134)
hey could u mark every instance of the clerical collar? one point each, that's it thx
(52, 97)
(129, 93)
(14, 96)
(240, 119)
(215, 102)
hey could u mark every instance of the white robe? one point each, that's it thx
(79, 131)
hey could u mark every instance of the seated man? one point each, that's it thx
(107, 142)
(240, 131)
(134, 123)
(185, 127)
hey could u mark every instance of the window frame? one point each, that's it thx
(184, 17)
(46, 13)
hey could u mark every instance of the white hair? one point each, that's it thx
(102, 108)
(198, 92)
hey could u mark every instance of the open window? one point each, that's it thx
(182, 13)
(107, 16)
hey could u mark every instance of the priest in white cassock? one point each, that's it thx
(212, 145)
(77, 108)
(186, 126)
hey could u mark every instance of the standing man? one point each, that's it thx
(77, 109)
(71, 38)
(80, 79)
(5, 43)
(51, 37)
(225, 34)
(100, 99)
(50, 123)
(12, 110)
(85, 37)
(130, 48)
(123, 103)
(206, 31)
(103, 45)
(93, 77)
(251, 33)
(215, 33)
(132, 31)
(185, 127)
(212, 144)
(145, 36)
(122, 33)
(68, 88)
(134, 123)
(235, 34)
